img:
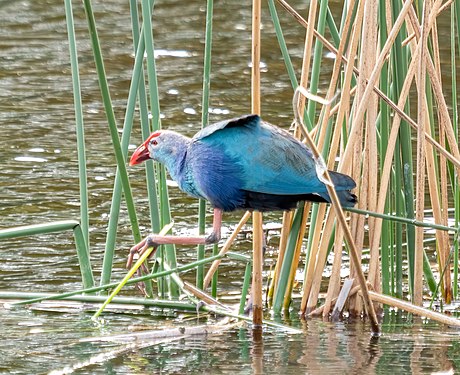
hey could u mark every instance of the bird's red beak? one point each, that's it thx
(141, 154)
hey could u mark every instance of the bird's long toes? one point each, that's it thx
(131, 256)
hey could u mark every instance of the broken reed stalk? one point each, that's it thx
(135, 341)
(256, 216)
(399, 304)
(323, 174)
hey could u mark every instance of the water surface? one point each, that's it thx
(39, 183)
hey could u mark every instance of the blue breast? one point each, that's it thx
(211, 174)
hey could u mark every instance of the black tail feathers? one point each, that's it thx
(343, 185)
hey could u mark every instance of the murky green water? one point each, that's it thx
(39, 183)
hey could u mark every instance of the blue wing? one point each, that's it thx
(265, 158)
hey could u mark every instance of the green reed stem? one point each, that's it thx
(155, 275)
(244, 290)
(40, 296)
(398, 203)
(282, 44)
(399, 68)
(224, 310)
(31, 230)
(139, 49)
(118, 188)
(54, 227)
(204, 123)
(138, 39)
(147, 7)
(387, 258)
(84, 259)
(221, 309)
(403, 220)
(168, 251)
(80, 131)
(317, 58)
(332, 27)
(283, 281)
(285, 53)
(111, 117)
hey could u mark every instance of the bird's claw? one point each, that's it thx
(140, 249)
(212, 238)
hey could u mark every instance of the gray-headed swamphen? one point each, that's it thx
(242, 163)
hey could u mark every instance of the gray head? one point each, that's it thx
(164, 146)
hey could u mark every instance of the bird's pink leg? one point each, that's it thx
(154, 240)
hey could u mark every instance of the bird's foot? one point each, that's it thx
(141, 248)
(212, 238)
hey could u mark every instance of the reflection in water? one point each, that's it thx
(336, 348)
(257, 352)
(39, 183)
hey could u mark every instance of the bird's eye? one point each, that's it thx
(154, 142)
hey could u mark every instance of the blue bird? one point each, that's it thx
(242, 163)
